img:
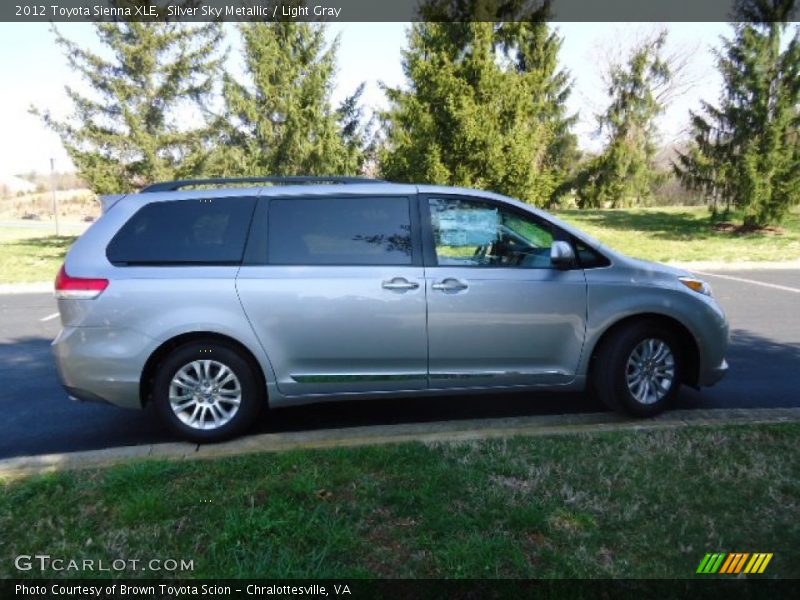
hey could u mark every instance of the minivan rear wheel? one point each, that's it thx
(207, 392)
(638, 369)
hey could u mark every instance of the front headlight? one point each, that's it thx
(696, 285)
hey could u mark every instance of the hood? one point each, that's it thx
(647, 265)
(645, 268)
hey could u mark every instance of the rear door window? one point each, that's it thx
(340, 231)
(208, 231)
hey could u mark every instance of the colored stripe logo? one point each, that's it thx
(733, 563)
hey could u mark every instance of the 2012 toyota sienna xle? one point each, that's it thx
(215, 301)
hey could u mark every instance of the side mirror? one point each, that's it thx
(562, 255)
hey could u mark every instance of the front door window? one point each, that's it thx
(471, 233)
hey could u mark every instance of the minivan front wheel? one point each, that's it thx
(638, 369)
(207, 392)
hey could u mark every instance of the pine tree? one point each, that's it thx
(746, 151)
(281, 121)
(534, 48)
(467, 118)
(703, 167)
(355, 132)
(144, 118)
(623, 173)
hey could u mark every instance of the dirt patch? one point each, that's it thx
(733, 228)
(565, 523)
(388, 554)
(512, 483)
(533, 543)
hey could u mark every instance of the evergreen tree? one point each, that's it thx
(534, 48)
(703, 166)
(355, 134)
(136, 125)
(469, 118)
(280, 121)
(624, 173)
(747, 149)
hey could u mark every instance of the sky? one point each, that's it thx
(33, 71)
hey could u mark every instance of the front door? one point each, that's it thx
(499, 313)
(339, 306)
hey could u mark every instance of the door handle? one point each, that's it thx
(399, 283)
(450, 284)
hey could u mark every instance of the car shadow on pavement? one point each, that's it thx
(762, 373)
(39, 418)
(426, 409)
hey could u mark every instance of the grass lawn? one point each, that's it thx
(632, 504)
(678, 233)
(31, 255)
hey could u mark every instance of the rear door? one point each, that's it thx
(333, 287)
(499, 313)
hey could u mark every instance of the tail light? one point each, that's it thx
(78, 288)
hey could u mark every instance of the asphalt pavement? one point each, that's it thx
(37, 417)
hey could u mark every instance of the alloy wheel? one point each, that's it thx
(205, 394)
(650, 371)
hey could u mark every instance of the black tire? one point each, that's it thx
(250, 388)
(610, 368)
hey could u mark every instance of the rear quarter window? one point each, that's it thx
(203, 232)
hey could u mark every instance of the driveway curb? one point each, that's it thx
(438, 432)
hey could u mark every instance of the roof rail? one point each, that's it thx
(171, 186)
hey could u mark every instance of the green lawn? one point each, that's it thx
(685, 234)
(632, 504)
(31, 255)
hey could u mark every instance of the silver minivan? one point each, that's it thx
(212, 300)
